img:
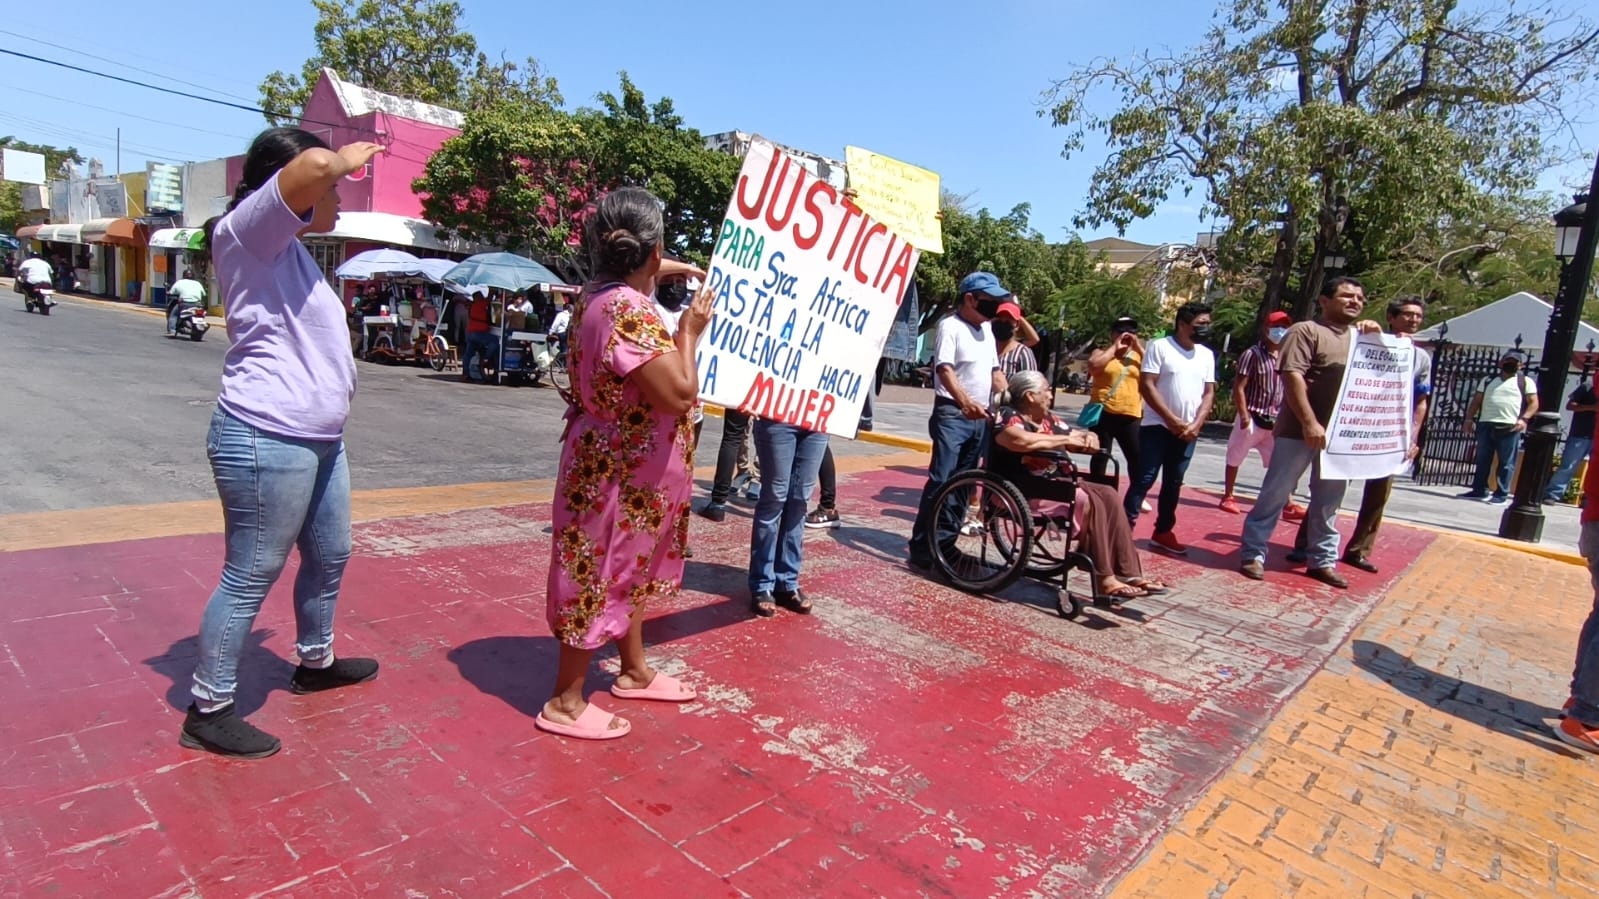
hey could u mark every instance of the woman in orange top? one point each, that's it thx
(1115, 371)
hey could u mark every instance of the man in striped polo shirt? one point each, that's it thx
(1258, 397)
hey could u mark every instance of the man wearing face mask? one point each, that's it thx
(674, 287)
(1014, 339)
(966, 377)
(1497, 416)
(1258, 399)
(1178, 382)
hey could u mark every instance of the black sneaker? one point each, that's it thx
(713, 511)
(342, 673)
(822, 517)
(225, 733)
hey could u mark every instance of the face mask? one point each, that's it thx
(671, 294)
(1202, 333)
(1509, 368)
(988, 308)
(1003, 330)
(1276, 335)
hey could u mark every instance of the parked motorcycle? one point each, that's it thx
(38, 298)
(192, 322)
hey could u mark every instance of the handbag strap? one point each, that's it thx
(1116, 384)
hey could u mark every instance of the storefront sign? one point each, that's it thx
(806, 287)
(163, 187)
(96, 198)
(898, 194)
(1371, 425)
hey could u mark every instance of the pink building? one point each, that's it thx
(378, 205)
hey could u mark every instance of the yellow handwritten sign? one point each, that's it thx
(898, 194)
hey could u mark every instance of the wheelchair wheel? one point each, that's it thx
(1052, 551)
(1068, 605)
(993, 556)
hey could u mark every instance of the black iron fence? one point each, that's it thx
(1448, 453)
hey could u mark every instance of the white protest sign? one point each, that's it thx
(806, 286)
(1370, 431)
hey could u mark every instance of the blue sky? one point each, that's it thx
(951, 87)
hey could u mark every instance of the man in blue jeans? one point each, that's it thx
(1579, 440)
(1497, 416)
(1580, 726)
(1313, 358)
(1178, 384)
(966, 376)
(789, 457)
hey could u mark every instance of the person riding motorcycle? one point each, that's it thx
(33, 274)
(185, 292)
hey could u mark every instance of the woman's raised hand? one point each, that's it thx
(359, 153)
(698, 314)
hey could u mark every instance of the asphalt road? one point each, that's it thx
(102, 409)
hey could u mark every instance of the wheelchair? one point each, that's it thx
(1007, 538)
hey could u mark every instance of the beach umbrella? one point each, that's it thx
(384, 261)
(506, 271)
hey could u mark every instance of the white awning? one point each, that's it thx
(60, 233)
(395, 230)
(177, 239)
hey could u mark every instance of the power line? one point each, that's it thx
(119, 112)
(115, 63)
(90, 139)
(175, 92)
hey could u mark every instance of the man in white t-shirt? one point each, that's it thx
(34, 270)
(966, 376)
(1178, 384)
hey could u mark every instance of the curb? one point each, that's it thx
(877, 437)
(118, 304)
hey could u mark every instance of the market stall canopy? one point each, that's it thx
(506, 271)
(178, 239)
(384, 261)
(436, 269)
(121, 232)
(396, 230)
(52, 233)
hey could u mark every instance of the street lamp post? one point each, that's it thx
(1576, 232)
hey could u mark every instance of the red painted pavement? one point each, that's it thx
(907, 739)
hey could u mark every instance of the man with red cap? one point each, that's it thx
(1258, 400)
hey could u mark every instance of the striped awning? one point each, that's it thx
(122, 232)
(52, 233)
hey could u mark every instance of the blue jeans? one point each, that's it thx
(1576, 450)
(1495, 440)
(479, 346)
(958, 444)
(277, 493)
(1585, 676)
(789, 458)
(1164, 454)
(1289, 459)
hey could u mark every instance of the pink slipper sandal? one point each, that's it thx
(662, 688)
(593, 724)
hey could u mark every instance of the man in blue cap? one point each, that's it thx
(966, 376)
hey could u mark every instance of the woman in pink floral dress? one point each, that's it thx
(627, 464)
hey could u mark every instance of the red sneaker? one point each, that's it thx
(1575, 733)
(1565, 710)
(1293, 512)
(1166, 542)
(1231, 505)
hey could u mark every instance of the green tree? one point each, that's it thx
(518, 176)
(1297, 118)
(643, 144)
(11, 215)
(1091, 306)
(409, 48)
(1006, 245)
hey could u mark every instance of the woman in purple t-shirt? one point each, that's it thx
(276, 443)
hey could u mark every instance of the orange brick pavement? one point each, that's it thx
(1419, 762)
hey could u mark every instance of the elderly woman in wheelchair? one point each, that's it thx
(1040, 515)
